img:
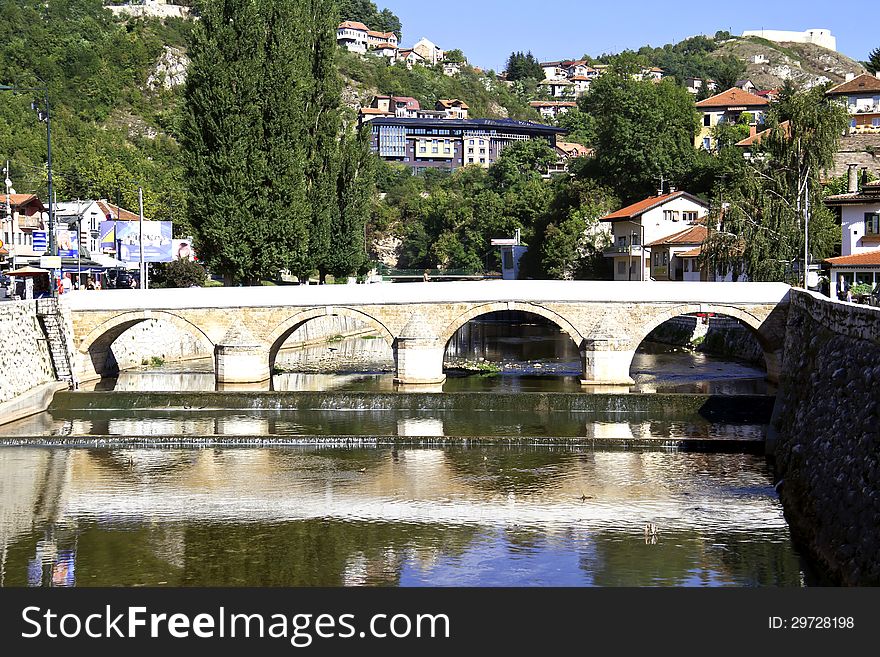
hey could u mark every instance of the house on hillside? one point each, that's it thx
(695, 85)
(552, 109)
(429, 51)
(352, 35)
(561, 88)
(727, 107)
(750, 143)
(376, 39)
(746, 85)
(451, 69)
(566, 152)
(410, 57)
(453, 108)
(553, 70)
(861, 95)
(580, 68)
(859, 211)
(648, 222)
(386, 50)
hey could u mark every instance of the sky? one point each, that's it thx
(489, 30)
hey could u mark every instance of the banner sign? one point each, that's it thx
(68, 244)
(40, 241)
(123, 238)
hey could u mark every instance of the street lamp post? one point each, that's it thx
(53, 246)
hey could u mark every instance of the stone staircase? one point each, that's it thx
(50, 319)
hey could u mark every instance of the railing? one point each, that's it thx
(623, 250)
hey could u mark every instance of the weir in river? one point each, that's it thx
(506, 474)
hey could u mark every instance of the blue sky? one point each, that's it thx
(488, 30)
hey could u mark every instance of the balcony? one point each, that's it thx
(617, 251)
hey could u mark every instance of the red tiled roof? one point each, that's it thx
(756, 138)
(374, 110)
(353, 25)
(116, 212)
(693, 253)
(385, 45)
(732, 98)
(869, 258)
(637, 209)
(453, 102)
(381, 35)
(409, 101)
(580, 78)
(20, 199)
(690, 235)
(862, 84)
(574, 150)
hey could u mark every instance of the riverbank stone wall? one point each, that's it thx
(25, 362)
(828, 435)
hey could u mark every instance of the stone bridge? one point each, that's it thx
(245, 327)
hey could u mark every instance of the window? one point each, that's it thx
(872, 223)
(665, 258)
(690, 217)
(621, 267)
(707, 120)
(621, 242)
(687, 265)
(852, 123)
(670, 215)
(875, 122)
(657, 259)
(707, 143)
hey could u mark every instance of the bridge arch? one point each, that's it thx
(488, 308)
(94, 349)
(770, 343)
(285, 329)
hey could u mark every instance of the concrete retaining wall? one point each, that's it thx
(829, 435)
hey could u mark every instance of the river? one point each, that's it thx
(446, 494)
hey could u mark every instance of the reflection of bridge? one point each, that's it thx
(245, 327)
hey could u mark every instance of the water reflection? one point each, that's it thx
(489, 516)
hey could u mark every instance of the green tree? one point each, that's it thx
(764, 204)
(222, 134)
(728, 71)
(178, 273)
(644, 130)
(873, 63)
(521, 66)
(455, 56)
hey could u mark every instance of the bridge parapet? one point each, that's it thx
(245, 327)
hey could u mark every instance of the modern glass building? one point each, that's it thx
(451, 143)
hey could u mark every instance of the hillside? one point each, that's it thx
(806, 65)
(365, 77)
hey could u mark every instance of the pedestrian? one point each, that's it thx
(90, 283)
(66, 284)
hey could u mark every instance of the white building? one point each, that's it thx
(817, 36)
(860, 222)
(429, 51)
(552, 109)
(353, 36)
(646, 222)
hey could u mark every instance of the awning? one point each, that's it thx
(27, 271)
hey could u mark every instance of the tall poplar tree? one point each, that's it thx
(274, 181)
(221, 131)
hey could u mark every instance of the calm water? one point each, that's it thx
(408, 517)
(503, 514)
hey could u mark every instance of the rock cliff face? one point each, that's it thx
(828, 451)
(170, 70)
(806, 65)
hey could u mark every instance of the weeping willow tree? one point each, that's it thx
(757, 227)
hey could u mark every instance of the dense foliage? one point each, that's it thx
(275, 180)
(366, 12)
(521, 66)
(761, 203)
(873, 63)
(178, 273)
(111, 130)
(485, 96)
(643, 131)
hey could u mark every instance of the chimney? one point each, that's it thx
(853, 179)
(753, 129)
(864, 178)
(877, 74)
